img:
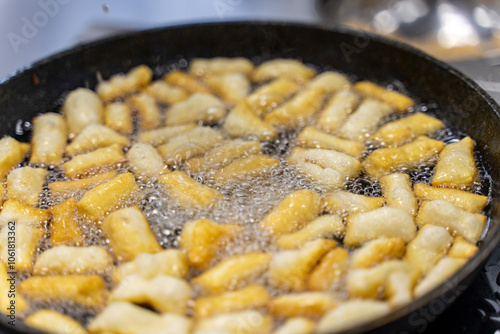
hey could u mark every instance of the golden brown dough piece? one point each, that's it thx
(107, 197)
(87, 290)
(456, 167)
(457, 221)
(386, 160)
(81, 108)
(405, 129)
(232, 273)
(291, 213)
(312, 138)
(48, 139)
(253, 296)
(129, 234)
(383, 222)
(464, 200)
(188, 192)
(123, 84)
(201, 239)
(396, 100)
(283, 68)
(297, 110)
(12, 152)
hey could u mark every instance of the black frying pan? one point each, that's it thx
(462, 104)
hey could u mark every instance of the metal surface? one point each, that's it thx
(461, 102)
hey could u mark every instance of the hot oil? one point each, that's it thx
(245, 203)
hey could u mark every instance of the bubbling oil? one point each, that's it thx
(245, 202)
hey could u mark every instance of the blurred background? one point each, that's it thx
(465, 33)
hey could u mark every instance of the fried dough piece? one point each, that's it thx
(162, 135)
(242, 122)
(456, 167)
(171, 262)
(337, 109)
(123, 317)
(364, 120)
(376, 251)
(188, 192)
(321, 227)
(352, 313)
(25, 184)
(327, 167)
(253, 296)
(27, 238)
(297, 326)
(7, 299)
(19, 213)
(330, 270)
(232, 273)
(467, 201)
(461, 248)
(145, 161)
(404, 130)
(54, 322)
(396, 100)
(252, 166)
(164, 293)
(303, 304)
(220, 65)
(93, 137)
(48, 139)
(386, 160)
(186, 81)
(166, 93)
(122, 84)
(201, 239)
(396, 188)
(312, 138)
(330, 81)
(289, 269)
(243, 322)
(297, 110)
(345, 203)
(370, 282)
(89, 290)
(12, 152)
(383, 222)
(224, 154)
(283, 68)
(147, 109)
(81, 108)
(189, 144)
(129, 234)
(107, 197)
(64, 228)
(198, 107)
(454, 219)
(72, 188)
(232, 87)
(430, 244)
(60, 260)
(118, 116)
(292, 212)
(93, 161)
(270, 95)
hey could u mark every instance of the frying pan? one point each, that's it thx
(455, 98)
